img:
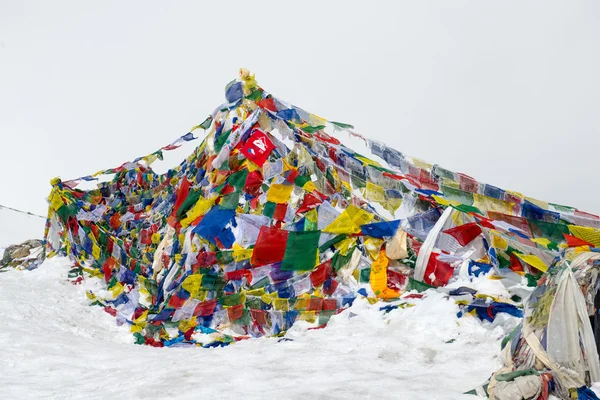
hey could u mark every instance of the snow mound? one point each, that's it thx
(54, 345)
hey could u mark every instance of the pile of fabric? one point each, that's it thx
(554, 349)
(272, 220)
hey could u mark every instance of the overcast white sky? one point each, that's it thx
(505, 91)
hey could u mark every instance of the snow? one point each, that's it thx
(53, 345)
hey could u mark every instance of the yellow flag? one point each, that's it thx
(193, 284)
(498, 241)
(308, 316)
(367, 161)
(586, 233)
(309, 186)
(534, 261)
(422, 164)
(445, 202)
(349, 221)
(342, 224)
(251, 166)
(279, 193)
(345, 245)
(491, 204)
(56, 201)
(378, 278)
(117, 289)
(541, 241)
(240, 253)
(374, 193)
(256, 292)
(301, 304)
(96, 251)
(373, 246)
(539, 203)
(200, 208)
(187, 324)
(281, 304)
(315, 120)
(392, 204)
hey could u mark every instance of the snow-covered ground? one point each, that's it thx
(53, 345)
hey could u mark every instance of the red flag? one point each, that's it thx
(107, 268)
(205, 308)
(258, 147)
(235, 312)
(267, 104)
(309, 201)
(464, 234)
(515, 263)
(254, 181)
(170, 147)
(395, 280)
(270, 246)
(437, 273)
(176, 301)
(573, 241)
(321, 273)
(182, 194)
(280, 211)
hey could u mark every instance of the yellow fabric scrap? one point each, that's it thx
(422, 164)
(149, 159)
(444, 201)
(349, 221)
(301, 304)
(187, 324)
(491, 204)
(308, 316)
(156, 238)
(251, 166)
(373, 246)
(117, 289)
(256, 292)
(315, 120)
(96, 251)
(344, 245)
(378, 278)
(541, 241)
(281, 304)
(193, 284)
(309, 186)
(582, 249)
(539, 203)
(367, 161)
(199, 209)
(56, 200)
(498, 241)
(142, 317)
(240, 253)
(312, 216)
(268, 297)
(586, 233)
(534, 261)
(279, 193)
(392, 204)
(374, 193)
(515, 194)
